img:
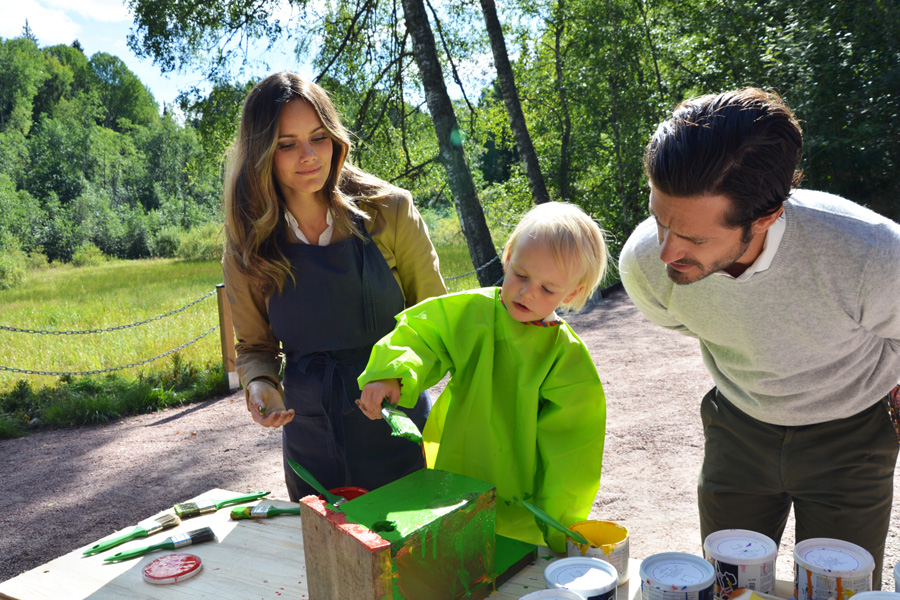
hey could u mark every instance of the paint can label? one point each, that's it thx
(742, 559)
(827, 569)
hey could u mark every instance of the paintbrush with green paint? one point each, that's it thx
(143, 529)
(179, 540)
(306, 476)
(401, 424)
(548, 520)
(261, 511)
(186, 510)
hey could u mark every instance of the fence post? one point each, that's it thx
(226, 334)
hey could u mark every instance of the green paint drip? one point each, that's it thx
(443, 535)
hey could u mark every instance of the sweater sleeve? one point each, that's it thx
(258, 351)
(880, 292)
(571, 430)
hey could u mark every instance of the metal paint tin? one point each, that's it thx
(897, 577)
(828, 569)
(609, 542)
(677, 576)
(742, 559)
(553, 595)
(593, 578)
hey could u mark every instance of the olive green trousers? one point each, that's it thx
(839, 476)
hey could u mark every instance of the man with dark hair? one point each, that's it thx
(794, 296)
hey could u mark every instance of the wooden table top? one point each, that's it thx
(249, 559)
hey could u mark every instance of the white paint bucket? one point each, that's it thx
(593, 578)
(897, 577)
(676, 576)
(609, 542)
(877, 595)
(827, 569)
(742, 559)
(553, 595)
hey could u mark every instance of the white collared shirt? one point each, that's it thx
(324, 239)
(770, 248)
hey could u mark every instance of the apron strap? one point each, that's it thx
(363, 246)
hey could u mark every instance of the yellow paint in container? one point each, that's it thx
(609, 542)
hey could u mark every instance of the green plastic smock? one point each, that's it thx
(523, 410)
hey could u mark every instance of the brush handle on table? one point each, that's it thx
(239, 499)
(261, 512)
(142, 529)
(181, 540)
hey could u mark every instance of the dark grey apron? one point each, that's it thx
(344, 300)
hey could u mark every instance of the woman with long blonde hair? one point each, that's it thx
(320, 257)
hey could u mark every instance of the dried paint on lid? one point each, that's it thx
(587, 576)
(172, 568)
(740, 547)
(836, 558)
(677, 571)
(553, 595)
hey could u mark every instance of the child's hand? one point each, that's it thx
(376, 391)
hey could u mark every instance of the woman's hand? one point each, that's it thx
(376, 391)
(266, 405)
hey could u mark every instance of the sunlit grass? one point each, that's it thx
(102, 297)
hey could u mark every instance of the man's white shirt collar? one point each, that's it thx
(770, 248)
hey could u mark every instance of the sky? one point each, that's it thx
(102, 26)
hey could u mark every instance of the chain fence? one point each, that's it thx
(144, 322)
(106, 330)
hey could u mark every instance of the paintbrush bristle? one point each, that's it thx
(186, 509)
(168, 520)
(241, 512)
(401, 424)
(204, 534)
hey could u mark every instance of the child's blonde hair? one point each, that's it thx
(576, 240)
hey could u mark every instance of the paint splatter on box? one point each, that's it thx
(427, 535)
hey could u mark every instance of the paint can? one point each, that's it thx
(609, 542)
(348, 492)
(877, 595)
(742, 559)
(677, 576)
(553, 595)
(828, 569)
(897, 577)
(593, 578)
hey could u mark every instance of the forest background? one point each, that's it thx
(479, 110)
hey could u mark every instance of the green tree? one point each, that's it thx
(121, 93)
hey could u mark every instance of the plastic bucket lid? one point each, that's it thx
(677, 570)
(740, 547)
(833, 558)
(553, 595)
(877, 595)
(583, 574)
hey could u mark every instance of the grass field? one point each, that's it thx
(121, 293)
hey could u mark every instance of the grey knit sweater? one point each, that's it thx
(813, 338)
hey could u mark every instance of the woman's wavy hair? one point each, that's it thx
(745, 145)
(254, 206)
